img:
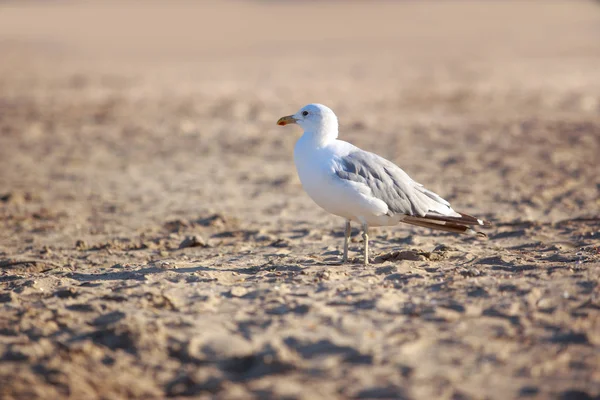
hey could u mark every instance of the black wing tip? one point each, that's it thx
(476, 221)
(485, 224)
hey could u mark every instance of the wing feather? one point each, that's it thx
(390, 184)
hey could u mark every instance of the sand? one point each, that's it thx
(155, 240)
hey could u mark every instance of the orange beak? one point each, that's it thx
(288, 119)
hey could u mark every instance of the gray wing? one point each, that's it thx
(392, 185)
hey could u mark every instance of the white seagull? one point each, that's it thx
(363, 187)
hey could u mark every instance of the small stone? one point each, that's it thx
(435, 256)
(193, 241)
(323, 275)
(238, 291)
(546, 304)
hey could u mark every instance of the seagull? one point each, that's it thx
(363, 187)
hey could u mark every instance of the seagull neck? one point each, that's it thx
(320, 138)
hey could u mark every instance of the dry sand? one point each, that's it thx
(155, 240)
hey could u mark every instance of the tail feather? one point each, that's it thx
(464, 219)
(448, 224)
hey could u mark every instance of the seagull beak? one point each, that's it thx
(288, 119)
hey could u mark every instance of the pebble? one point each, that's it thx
(193, 241)
(238, 291)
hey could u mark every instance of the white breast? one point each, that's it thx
(351, 200)
(316, 176)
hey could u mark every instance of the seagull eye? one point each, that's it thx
(305, 113)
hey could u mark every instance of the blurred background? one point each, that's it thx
(155, 240)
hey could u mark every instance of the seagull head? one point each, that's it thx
(314, 118)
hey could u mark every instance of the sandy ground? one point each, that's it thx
(155, 240)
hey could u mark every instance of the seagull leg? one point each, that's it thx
(365, 236)
(346, 240)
